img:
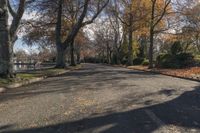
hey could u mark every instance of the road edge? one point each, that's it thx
(34, 80)
(155, 72)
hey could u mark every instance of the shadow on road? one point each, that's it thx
(83, 77)
(184, 112)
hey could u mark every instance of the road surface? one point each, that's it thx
(103, 99)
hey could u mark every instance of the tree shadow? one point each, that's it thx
(167, 92)
(4, 127)
(183, 112)
(83, 77)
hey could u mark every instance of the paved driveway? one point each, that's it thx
(103, 99)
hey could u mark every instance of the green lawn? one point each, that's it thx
(30, 75)
(35, 74)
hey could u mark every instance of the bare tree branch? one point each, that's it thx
(12, 12)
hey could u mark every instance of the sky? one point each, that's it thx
(19, 44)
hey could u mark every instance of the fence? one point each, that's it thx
(18, 67)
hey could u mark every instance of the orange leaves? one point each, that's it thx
(192, 72)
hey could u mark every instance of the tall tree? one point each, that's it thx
(79, 13)
(131, 14)
(159, 8)
(116, 26)
(127, 20)
(8, 35)
(68, 17)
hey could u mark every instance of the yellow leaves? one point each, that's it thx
(143, 31)
(135, 48)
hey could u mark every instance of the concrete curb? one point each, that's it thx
(30, 81)
(156, 72)
(26, 82)
(153, 71)
(174, 76)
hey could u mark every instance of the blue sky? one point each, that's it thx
(19, 45)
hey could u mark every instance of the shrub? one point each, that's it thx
(185, 59)
(165, 61)
(124, 61)
(176, 48)
(176, 58)
(175, 61)
(145, 62)
(197, 59)
(138, 61)
(92, 60)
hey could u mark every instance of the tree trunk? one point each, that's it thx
(60, 60)
(78, 58)
(110, 57)
(151, 49)
(78, 55)
(116, 52)
(108, 53)
(130, 48)
(72, 54)
(6, 51)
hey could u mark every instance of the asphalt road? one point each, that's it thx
(103, 99)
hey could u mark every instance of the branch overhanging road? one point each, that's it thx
(103, 99)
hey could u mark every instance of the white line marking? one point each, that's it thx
(163, 128)
(154, 118)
